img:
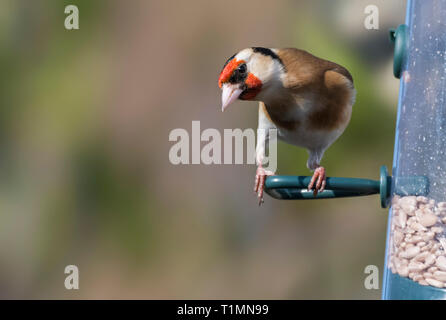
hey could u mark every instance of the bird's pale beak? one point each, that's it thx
(230, 93)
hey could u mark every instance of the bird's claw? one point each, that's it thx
(259, 183)
(319, 179)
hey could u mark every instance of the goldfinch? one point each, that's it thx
(307, 99)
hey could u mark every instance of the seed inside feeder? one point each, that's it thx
(418, 245)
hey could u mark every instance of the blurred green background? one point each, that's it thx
(85, 117)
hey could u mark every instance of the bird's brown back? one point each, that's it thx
(303, 68)
(330, 84)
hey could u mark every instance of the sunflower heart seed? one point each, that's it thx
(415, 266)
(440, 275)
(408, 203)
(428, 220)
(403, 271)
(441, 263)
(434, 282)
(430, 259)
(410, 252)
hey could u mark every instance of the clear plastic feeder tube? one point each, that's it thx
(416, 239)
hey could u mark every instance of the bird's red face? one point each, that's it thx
(237, 82)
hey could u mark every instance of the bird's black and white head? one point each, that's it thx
(250, 75)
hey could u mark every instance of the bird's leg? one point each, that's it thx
(259, 183)
(318, 178)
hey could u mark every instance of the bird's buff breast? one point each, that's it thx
(308, 138)
(295, 126)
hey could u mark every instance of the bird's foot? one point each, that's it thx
(259, 184)
(319, 179)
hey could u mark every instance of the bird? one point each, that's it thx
(307, 99)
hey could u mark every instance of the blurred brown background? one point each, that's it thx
(85, 117)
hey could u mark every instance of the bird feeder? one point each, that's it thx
(415, 266)
(415, 263)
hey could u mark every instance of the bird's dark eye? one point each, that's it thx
(242, 68)
(239, 75)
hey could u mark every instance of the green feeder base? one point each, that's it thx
(400, 288)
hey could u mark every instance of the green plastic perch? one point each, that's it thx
(295, 187)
